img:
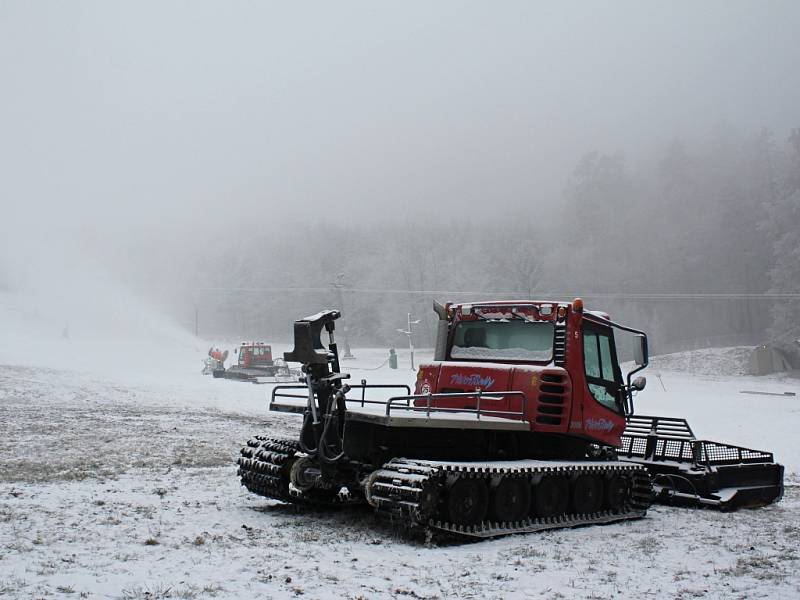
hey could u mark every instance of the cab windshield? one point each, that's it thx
(503, 340)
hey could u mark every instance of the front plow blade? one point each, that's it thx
(691, 472)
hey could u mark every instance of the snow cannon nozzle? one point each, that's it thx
(308, 346)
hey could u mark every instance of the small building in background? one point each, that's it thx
(765, 360)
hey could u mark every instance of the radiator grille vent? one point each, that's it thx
(552, 399)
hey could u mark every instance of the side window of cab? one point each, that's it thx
(602, 371)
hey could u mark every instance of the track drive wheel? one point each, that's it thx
(511, 500)
(587, 494)
(303, 473)
(467, 501)
(551, 497)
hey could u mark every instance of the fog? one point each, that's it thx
(175, 153)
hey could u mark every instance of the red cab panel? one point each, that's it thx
(546, 390)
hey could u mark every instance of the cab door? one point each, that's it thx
(603, 375)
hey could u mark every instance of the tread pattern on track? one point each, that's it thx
(264, 470)
(408, 489)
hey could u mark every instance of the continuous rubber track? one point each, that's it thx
(264, 467)
(413, 491)
(276, 374)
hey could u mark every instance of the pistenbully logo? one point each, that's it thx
(474, 380)
(599, 425)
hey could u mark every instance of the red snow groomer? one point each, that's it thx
(255, 364)
(515, 426)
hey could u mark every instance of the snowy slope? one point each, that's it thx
(123, 485)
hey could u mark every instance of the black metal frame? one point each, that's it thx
(404, 403)
(671, 439)
(689, 471)
(276, 393)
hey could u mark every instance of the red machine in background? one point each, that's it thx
(519, 424)
(255, 364)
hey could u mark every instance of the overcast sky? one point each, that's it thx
(114, 115)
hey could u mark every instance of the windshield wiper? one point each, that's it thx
(515, 312)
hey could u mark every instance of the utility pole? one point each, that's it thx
(338, 285)
(409, 332)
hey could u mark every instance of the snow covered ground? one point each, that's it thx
(121, 483)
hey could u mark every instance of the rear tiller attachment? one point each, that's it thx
(691, 472)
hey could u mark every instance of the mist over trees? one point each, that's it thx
(241, 168)
(782, 228)
(719, 215)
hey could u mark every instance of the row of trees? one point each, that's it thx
(718, 216)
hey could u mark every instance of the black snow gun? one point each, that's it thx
(323, 420)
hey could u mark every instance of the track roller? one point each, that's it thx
(510, 499)
(586, 493)
(551, 497)
(467, 501)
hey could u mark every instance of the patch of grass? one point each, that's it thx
(151, 542)
(759, 567)
(147, 592)
(123, 557)
(146, 511)
(609, 577)
(686, 592)
(111, 520)
(561, 557)
(529, 552)
(401, 591)
(11, 585)
(212, 589)
(187, 593)
(46, 568)
(162, 591)
(306, 536)
(649, 545)
(20, 545)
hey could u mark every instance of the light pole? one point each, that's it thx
(409, 333)
(338, 285)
